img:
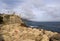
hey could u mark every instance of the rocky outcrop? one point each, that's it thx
(55, 37)
(10, 19)
(18, 31)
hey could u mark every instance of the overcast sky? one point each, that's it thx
(35, 10)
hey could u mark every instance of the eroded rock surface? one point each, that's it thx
(18, 31)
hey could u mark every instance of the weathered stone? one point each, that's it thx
(16, 30)
(55, 37)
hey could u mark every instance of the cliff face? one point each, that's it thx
(14, 29)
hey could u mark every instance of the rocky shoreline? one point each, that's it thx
(13, 29)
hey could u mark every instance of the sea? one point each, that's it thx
(50, 26)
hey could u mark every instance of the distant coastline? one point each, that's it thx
(51, 26)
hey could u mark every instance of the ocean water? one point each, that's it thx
(51, 26)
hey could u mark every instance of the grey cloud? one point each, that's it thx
(36, 10)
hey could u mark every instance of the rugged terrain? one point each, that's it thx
(12, 28)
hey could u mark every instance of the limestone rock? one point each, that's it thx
(14, 29)
(55, 37)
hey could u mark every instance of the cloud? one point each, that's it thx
(34, 10)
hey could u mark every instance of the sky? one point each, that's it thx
(34, 10)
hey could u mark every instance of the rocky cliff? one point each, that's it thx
(12, 28)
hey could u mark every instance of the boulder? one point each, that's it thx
(55, 37)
